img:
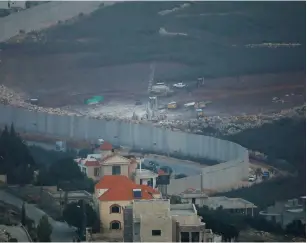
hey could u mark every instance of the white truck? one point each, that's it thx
(180, 85)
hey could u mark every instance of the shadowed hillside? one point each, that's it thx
(217, 40)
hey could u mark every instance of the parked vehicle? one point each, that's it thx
(179, 85)
(252, 178)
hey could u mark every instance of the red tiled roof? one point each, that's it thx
(106, 146)
(91, 163)
(120, 188)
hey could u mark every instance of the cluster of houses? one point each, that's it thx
(132, 204)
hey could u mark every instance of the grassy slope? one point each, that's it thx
(128, 32)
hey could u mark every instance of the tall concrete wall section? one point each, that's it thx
(44, 16)
(233, 166)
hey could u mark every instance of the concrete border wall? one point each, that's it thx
(145, 136)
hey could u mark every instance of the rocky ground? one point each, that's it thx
(226, 125)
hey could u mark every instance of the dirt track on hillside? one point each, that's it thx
(60, 80)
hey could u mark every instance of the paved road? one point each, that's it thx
(61, 231)
(44, 16)
(16, 232)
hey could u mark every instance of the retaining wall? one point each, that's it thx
(145, 136)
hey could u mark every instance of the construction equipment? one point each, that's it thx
(189, 105)
(172, 105)
(158, 88)
(161, 89)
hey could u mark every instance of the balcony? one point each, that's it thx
(145, 174)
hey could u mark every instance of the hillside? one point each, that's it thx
(284, 139)
(224, 42)
(221, 38)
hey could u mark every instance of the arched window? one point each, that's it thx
(115, 208)
(115, 225)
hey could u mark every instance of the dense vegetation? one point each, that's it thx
(15, 159)
(229, 225)
(54, 168)
(217, 33)
(74, 213)
(284, 139)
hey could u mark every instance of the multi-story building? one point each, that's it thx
(158, 220)
(95, 166)
(112, 194)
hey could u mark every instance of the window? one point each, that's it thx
(115, 209)
(96, 171)
(156, 232)
(195, 236)
(185, 236)
(116, 170)
(115, 225)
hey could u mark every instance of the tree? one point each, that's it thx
(296, 228)
(65, 170)
(167, 169)
(23, 214)
(73, 214)
(222, 222)
(16, 161)
(83, 153)
(44, 230)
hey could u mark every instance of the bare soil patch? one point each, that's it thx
(61, 80)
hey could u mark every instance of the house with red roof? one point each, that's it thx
(113, 193)
(90, 166)
(104, 148)
(95, 166)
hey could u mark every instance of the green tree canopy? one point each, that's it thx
(15, 159)
(23, 214)
(44, 230)
(74, 215)
(167, 169)
(65, 170)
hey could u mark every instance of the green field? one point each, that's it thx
(217, 33)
